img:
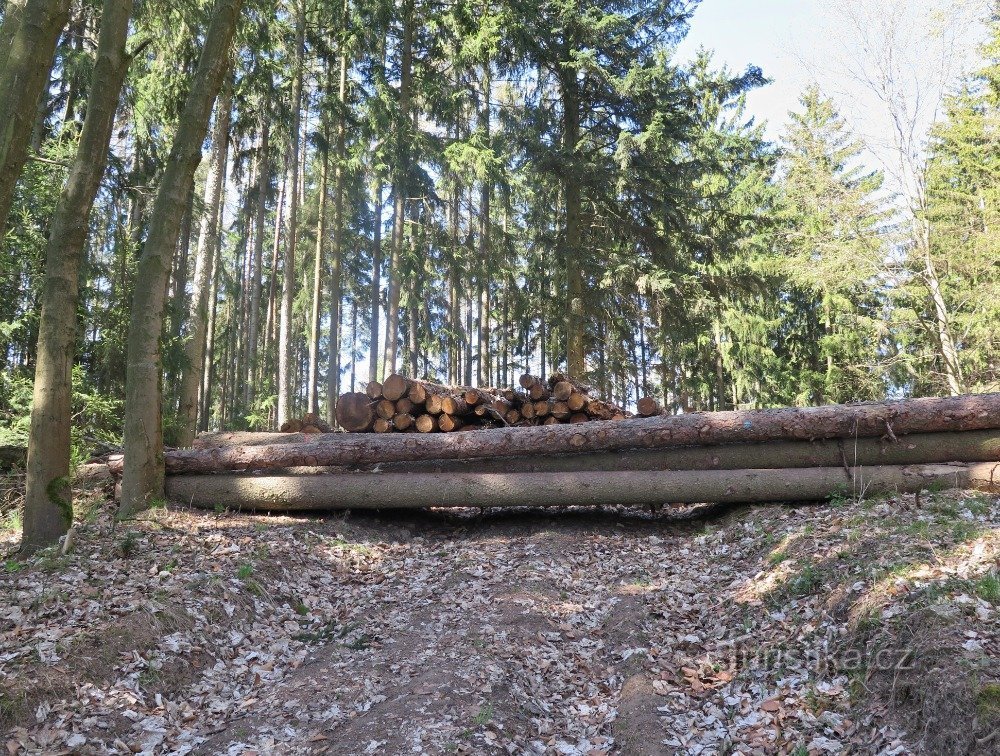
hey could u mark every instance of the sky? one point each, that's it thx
(797, 42)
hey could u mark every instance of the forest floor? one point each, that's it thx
(866, 627)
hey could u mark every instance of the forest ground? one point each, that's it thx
(864, 627)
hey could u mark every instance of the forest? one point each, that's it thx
(222, 215)
(734, 381)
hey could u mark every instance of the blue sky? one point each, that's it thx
(796, 42)
(767, 34)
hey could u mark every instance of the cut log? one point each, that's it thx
(454, 405)
(562, 391)
(874, 420)
(435, 404)
(552, 420)
(527, 381)
(383, 425)
(403, 421)
(538, 392)
(450, 423)
(427, 424)
(580, 417)
(649, 406)
(404, 406)
(391, 490)
(543, 408)
(385, 409)
(396, 387)
(374, 390)
(577, 402)
(971, 446)
(421, 391)
(355, 413)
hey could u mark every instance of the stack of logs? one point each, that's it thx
(404, 405)
(792, 454)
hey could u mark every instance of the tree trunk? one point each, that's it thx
(400, 184)
(312, 381)
(376, 290)
(339, 171)
(873, 420)
(143, 476)
(485, 376)
(575, 325)
(942, 320)
(928, 448)
(256, 284)
(48, 505)
(33, 28)
(205, 263)
(286, 368)
(410, 491)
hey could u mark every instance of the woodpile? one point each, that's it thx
(793, 454)
(405, 405)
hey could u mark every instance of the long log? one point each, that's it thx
(873, 420)
(930, 448)
(392, 490)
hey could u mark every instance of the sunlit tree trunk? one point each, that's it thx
(312, 379)
(286, 377)
(142, 481)
(33, 28)
(339, 174)
(205, 257)
(575, 323)
(256, 282)
(48, 504)
(400, 184)
(376, 289)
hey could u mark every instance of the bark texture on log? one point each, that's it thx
(874, 420)
(385, 491)
(971, 446)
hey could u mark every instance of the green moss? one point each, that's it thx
(988, 701)
(60, 493)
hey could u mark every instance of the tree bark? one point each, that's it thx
(204, 266)
(339, 174)
(286, 367)
(143, 475)
(33, 28)
(256, 284)
(575, 325)
(873, 420)
(401, 171)
(927, 448)
(376, 290)
(312, 382)
(410, 491)
(48, 504)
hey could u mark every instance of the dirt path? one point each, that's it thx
(574, 632)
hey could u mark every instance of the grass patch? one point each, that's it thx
(988, 701)
(988, 588)
(806, 581)
(485, 715)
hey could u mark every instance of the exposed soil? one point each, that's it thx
(706, 630)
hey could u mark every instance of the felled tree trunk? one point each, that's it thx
(972, 446)
(393, 490)
(874, 420)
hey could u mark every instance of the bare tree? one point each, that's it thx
(906, 55)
